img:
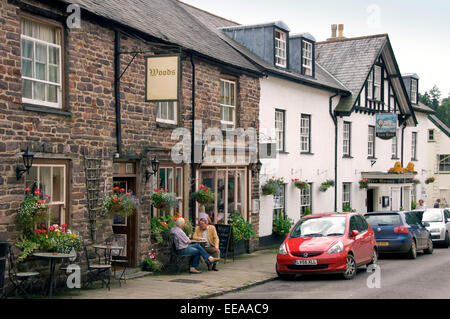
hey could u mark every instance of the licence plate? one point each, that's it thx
(306, 262)
(382, 243)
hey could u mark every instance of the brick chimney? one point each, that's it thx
(337, 28)
(341, 30)
(333, 30)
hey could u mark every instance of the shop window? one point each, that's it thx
(171, 178)
(41, 63)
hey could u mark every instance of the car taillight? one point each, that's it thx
(401, 230)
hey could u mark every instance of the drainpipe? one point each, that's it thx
(193, 170)
(117, 90)
(401, 159)
(333, 117)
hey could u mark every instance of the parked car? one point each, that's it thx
(400, 232)
(327, 243)
(439, 224)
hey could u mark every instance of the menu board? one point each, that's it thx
(224, 232)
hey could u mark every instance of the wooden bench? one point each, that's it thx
(178, 261)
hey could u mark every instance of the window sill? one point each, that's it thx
(371, 158)
(45, 109)
(283, 152)
(166, 125)
(306, 153)
(431, 141)
(395, 158)
(347, 156)
(414, 160)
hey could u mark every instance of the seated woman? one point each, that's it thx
(185, 247)
(208, 233)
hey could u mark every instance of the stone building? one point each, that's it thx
(75, 95)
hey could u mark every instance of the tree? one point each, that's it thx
(435, 96)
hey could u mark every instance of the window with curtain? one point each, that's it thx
(41, 64)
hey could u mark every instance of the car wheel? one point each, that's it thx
(429, 249)
(374, 258)
(285, 276)
(412, 253)
(350, 270)
(446, 241)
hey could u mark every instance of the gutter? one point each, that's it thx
(333, 117)
(117, 91)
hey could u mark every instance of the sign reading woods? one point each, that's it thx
(163, 78)
(386, 127)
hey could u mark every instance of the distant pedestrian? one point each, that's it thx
(437, 204)
(421, 204)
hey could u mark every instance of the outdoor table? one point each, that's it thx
(53, 258)
(107, 252)
(201, 242)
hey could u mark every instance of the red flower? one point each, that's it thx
(64, 225)
(27, 189)
(122, 189)
(128, 194)
(116, 188)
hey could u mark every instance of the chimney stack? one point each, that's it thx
(341, 30)
(333, 30)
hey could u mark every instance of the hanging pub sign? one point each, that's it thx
(386, 125)
(162, 78)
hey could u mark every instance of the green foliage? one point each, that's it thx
(27, 247)
(413, 205)
(120, 203)
(282, 225)
(162, 225)
(204, 196)
(151, 263)
(32, 211)
(432, 98)
(325, 185)
(300, 184)
(347, 208)
(242, 230)
(272, 186)
(163, 199)
(307, 211)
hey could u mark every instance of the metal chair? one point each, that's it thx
(118, 257)
(4, 246)
(97, 272)
(177, 260)
(20, 281)
(66, 262)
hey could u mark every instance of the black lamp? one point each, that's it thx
(256, 168)
(155, 168)
(27, 162)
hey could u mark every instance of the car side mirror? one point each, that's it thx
(425, 224)
(355, 233)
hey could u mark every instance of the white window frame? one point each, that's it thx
(443, 158)
(377, 83)
(280, 131)
(346, 140)
(227, 103)
(395, 147)
(58, 85)
(414, 91)
(280, 48)
(307, 58)
(371, 142)
(305, 126)
(62, 216)
(281, 201)
(175, 171)
(166, 105)
(305, 199)
(346, 194)
(432, 135)
(370, 85)
(414, 146)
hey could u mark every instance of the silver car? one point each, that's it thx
(439, 224)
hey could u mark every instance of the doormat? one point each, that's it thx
(186, 281)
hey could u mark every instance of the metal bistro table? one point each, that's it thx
(107, 252)
(53, 258)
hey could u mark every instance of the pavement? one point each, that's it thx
(246, 271)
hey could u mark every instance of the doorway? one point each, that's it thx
(125, 228)
(370, 200)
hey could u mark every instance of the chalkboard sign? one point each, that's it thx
(225, 238)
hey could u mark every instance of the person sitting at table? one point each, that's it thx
(185, 247)
(208, 234)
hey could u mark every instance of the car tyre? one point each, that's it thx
(285, 276)
(446, 240)
(374, 257)
(351, 268)
(412, 253)
(429, 249)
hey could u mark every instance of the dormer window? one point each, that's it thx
(307, 58)
(280, 49)
(414, 91)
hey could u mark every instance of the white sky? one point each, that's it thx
(419, 30)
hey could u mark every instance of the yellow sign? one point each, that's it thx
(163, 78)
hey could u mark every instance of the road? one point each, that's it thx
(428, 276)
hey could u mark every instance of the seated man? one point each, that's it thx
(185, 247)
(208, 234)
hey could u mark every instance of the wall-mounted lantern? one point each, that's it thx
(27, 162)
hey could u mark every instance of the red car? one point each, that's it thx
(328, 243)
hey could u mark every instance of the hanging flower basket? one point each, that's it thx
(120, 203)
(429, 180)
(272, 187)
(325, 185)
(416, 181)
(33, 210)
(364, 183)
(300, 184)
(204, 196)
(162, 199)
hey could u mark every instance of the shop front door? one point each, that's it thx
(370, 200)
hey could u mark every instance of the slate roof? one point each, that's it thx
(323, 78)
(420, 107)
(350, 61)
(441, 125)
(168, 21)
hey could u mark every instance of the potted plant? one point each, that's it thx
(33, 210)
(164, 200)
(150, 262)
(204, 196)
(300, 184)
(364, 183)
(347, 208)
(325, 185)
(282, 225)
(415, 181)
(307, 212)
(272, 186)
(242, 231)
(429, 180)
(120, 203)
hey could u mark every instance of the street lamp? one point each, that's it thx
(155, 168)
(256, 169)
(27, 162)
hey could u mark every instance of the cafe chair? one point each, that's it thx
(21, 282)
(66, 262)
(177, 260)
(118, 256)
(97, 272)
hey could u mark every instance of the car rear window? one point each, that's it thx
(432, 216)
(383, 219)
